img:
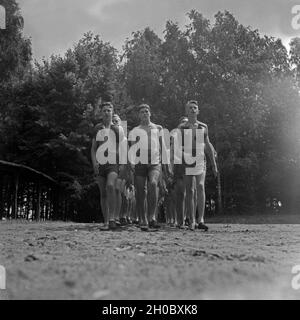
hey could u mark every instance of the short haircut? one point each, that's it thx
(192, 102)
(183, 118)
(143, 106)
(106, 104)
(116, 116)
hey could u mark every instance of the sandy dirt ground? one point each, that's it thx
(57, 260)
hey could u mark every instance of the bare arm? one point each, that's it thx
(93, 156)
(213, 149)
(211, 152)
(164, 153)
(172, 154)
(130, 142)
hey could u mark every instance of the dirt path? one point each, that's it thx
(77, 261)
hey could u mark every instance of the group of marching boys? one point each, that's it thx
(132, 191)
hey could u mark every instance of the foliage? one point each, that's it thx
(247, 86)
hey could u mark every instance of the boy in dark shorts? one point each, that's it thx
(178, 176)
(148, 170)
(120, 182)
(106, 174)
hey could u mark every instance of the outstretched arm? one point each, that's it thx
(211, 153)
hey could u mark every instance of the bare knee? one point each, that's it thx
(180, 193)
(110, 188)
(152, 185)
(200, 187)
(190, 191)
(179, 188)
(141, 193)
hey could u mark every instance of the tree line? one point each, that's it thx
(246, 84)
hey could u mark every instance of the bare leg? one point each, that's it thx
(168, 203)
(129, 209)
(101, 181)
(196, 204)
(111, 194)
(190, 195)
(200, 184)
(180, 201)
(173, 207)
(118, 199)
(123, 210)
(153, 194)
(124, 207)
(141, 198)
(134, 216)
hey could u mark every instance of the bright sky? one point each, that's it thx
(55, 25)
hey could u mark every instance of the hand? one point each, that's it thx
(131, 180)
(131, 167)
(96, 169)
(164, 170)
(215, 171)
(129, 173)
(121, 168)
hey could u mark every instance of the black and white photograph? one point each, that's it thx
(149, 151)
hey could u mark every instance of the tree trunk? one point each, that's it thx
(15, 197)
(219, 188)
(38, 206)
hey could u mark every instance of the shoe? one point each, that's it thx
(118, 223)
(182, 227)
(112, 225)
(123, 222)
(144, 227)
(154, 225)
(202, 226)
(187, 222)
(104, 227)
(135, 223)
(129, 221)
(192, 227)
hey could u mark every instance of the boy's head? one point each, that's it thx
(107, 110)
(116, 119)
(144, 111)
(191, 108)
(183, 120)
